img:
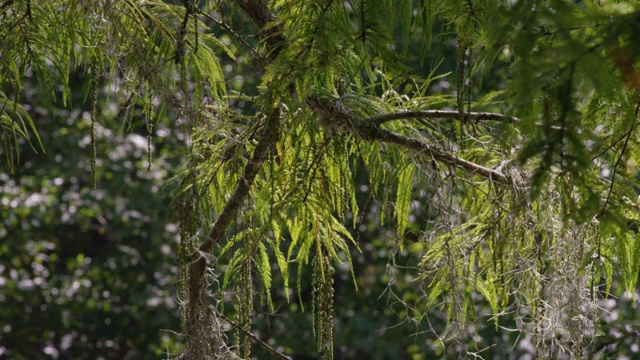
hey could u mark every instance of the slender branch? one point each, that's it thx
(237, 326)
(612, 145)
(5, 4)
(441, 155)
(18, 22)
(437, 114)
(615, 167)
(228, 29)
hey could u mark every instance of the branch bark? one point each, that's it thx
(438, 114)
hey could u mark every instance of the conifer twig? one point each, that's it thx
(228, 29)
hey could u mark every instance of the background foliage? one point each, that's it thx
(375, 179)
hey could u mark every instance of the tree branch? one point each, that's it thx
(235, 35)
(258, 11)
(336, 116)
(237, 326)
(231, 208)
(437, 114)
(615, 166)
(260, 14)
(230, 211)
(441, 155)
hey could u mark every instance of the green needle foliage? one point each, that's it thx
(531, 162)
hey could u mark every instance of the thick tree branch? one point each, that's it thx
(259, 12)
(198, 266)
(231, 208)
(336, 116)
(437, 114)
